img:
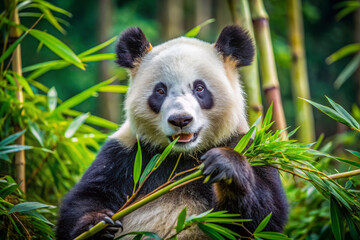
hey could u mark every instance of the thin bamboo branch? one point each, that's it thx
(345, 174)
(240, 13)
(300, 85)
(15, 32)
(101, 225)
(270, 82)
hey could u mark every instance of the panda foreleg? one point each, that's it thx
(240, 188)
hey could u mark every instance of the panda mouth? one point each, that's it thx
(184, 137)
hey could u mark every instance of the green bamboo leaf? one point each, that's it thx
(290, 134)
(346, 11)
(181, 220)
(79, 98)
(268, 116)
(98, 121)
(12, 47)
(38, 216)
(272, 236)
(165, 153)
(98, 47)
(149, 167)
(194, 218)
(210, 232)
(36, 132)
(343, 113)
(11, 138)
(328, 111)
(195, 31)
(240, 146)
(351, 151)
(114, 88)
(337, 219)
(8, 190)
(37, 15)
(343, 52)
(51, 19)
(52, 98)
(352, 226)
(43, 65)
(75, 125)
(26, 206)
(99, 57)
(13, 148)
(223, 230)
(58, 47)
(54, 8)
(148, 234)
(349, 69)
(137, 164)
(263, 224)
(55, 66)
(24, 83)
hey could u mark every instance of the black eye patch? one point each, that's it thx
(157, 98)
(203, 95)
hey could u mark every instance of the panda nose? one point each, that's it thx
(180, 120)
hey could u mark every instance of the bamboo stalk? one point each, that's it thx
(270, 82)
(300, 85)
(240, 13)
(345, 174)
(16, 64)
(101, 225)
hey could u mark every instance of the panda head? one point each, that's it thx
(184, 88)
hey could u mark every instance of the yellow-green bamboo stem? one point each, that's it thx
(98, 227)
(240, 13)
(300, 85)
(345, 174)
(16, 64)
(268, 72)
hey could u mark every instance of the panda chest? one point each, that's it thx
(160, 216)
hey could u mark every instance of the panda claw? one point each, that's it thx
(118, 224)
(108, 220)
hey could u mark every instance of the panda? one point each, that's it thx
(187, 89)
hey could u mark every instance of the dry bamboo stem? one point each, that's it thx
(240, 13)
(300, 85)
(17, 68)
(268, 72)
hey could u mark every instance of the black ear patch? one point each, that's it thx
(236, 43)
(131, 47)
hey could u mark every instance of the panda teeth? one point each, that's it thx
(183, 137)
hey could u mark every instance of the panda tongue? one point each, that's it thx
(183, 137)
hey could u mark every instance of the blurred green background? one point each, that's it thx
(323, 36)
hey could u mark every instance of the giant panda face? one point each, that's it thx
(185, 89)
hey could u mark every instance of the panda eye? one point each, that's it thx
(160, 91)
(199, 89)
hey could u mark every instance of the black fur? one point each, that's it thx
(236, 43)
(205, 98)
(131, 47)
(254, 191)
(156, 99)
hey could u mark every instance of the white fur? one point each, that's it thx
(178, 63)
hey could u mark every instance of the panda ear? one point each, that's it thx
(235, 44)
(131, 47)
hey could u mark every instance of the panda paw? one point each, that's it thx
(90, 219)
(225, 165)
